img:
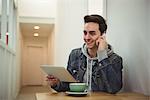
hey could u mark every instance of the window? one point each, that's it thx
(0, 16)
(8, 23)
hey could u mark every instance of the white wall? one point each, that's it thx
(19, 44)
(37, 8)
(69, 28)
(51, 47)
(97, 7)
(128, 33)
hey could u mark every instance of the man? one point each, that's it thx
(95, 63)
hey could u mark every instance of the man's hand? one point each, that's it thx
(101, 42)
(52, 80)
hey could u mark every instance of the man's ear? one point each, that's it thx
(103, 33)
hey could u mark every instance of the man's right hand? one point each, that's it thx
(53, 81)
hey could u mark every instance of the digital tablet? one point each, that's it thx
(58, 71)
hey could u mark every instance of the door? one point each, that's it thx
(34, 58)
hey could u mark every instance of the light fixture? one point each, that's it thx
(36, 34)
(36, 27)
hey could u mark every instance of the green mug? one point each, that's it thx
(78, 87)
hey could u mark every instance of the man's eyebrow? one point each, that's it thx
(92, 31)
(89, 31)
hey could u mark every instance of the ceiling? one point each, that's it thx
(27, 29)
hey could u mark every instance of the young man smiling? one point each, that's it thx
(95, 63)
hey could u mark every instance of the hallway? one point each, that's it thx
(28, 92)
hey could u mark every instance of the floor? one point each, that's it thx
(28, 92)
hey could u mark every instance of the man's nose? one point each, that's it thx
(87, 36)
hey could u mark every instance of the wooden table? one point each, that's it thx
(92, 96)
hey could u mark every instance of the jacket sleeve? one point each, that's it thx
(111, 71)
(61, 87)
(64, 86)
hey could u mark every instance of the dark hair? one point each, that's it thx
(97, 19)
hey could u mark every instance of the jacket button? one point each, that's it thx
(100, 64)
(74, 71)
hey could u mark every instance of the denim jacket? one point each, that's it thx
(106, 74)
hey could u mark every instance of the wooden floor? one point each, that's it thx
(28, 92)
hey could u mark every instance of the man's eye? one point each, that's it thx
(92, 33)
(85, 32)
